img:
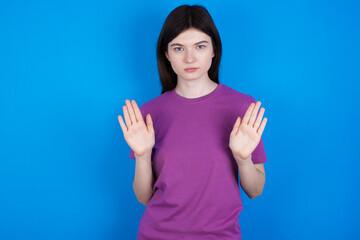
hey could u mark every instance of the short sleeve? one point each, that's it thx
(258, 155)
(143, 113)
(132, 155)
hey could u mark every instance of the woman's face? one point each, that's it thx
(190, 54)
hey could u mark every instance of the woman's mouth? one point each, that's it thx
(190, 69)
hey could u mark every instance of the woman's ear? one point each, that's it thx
(167, 56)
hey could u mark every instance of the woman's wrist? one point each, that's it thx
(146, 155)
(242, 161)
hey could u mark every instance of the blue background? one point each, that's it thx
(66, 68)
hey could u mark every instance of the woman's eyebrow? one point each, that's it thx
(178, 44)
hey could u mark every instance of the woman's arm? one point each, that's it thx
(141, 139)
(144, 180)
(244, 138)
(252, 177)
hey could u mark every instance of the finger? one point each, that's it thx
(149, 123)
(236, 126)
(130, 111)
(254, 113)
(137, 111)
(259, 117)
(122, 124)
(127, 116)
(262, 126)
(248, 113)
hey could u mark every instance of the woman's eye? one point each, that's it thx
(201, 46)
(177, 49)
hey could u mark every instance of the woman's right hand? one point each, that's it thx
(140, 137)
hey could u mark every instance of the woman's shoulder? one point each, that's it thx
(236, 95)
(155, 103)
(237, 101)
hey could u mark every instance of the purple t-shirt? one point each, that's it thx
(196, 193)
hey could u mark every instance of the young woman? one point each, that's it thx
(198, 136)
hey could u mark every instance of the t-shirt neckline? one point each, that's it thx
(198, 99)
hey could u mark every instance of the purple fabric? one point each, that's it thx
(196, 193)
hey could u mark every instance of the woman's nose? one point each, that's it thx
(190, 56)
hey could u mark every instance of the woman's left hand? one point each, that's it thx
(246, 133)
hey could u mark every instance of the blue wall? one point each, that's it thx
(66, 68)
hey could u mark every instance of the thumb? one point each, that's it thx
(149, 123)
(236, 125)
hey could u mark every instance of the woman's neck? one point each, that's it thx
(195, 88)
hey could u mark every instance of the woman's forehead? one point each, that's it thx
(191, 36)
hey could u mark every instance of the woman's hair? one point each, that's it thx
(179, 20)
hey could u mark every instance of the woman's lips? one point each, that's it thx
(190, 69)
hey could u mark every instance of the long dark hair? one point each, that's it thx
(179, 20)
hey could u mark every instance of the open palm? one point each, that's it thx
(139, 136)
(246, 133)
